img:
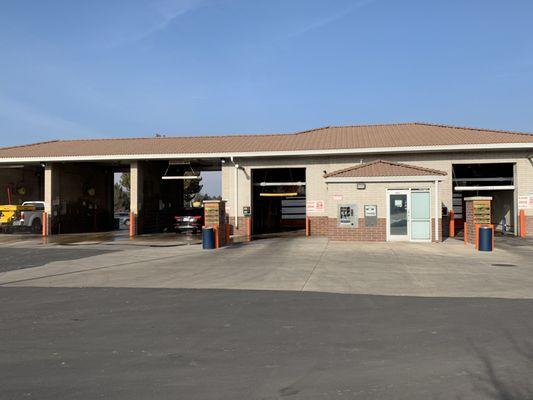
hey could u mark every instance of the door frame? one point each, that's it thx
(398, 238)
(407, 192)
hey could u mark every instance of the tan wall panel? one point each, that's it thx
(318, 190)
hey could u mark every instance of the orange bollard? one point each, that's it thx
(45, 224)
(522, 224)
(249, 229)
(307, 233)
(452, 224)
(132, 224)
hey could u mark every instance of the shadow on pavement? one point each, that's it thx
(498, 380)
(20, 258)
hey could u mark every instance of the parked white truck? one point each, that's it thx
(31, 220)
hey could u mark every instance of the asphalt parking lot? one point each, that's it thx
(68, 343)
(283, 318)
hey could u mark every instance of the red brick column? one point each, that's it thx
(215, 217)
(475, 216)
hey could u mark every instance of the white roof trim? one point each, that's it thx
(473, 188)
(324, 152)
(361, 179)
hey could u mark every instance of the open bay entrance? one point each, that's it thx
(278, 201)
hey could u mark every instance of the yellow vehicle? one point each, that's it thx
(10, 213)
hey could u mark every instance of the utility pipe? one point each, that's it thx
(236, 196)
(437, 211)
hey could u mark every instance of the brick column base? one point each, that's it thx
(242, 228)
(318, 226)
(529, 225)
(360, 234)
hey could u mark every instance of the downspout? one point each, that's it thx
(236, 196)
(436, 210)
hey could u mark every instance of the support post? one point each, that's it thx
(135, 196)
(48, 198)
(307, 232)
(249, 229)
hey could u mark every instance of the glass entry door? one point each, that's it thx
(398, 227)
(420, 215)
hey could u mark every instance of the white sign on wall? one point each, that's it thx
(525, 202)
(315, 206)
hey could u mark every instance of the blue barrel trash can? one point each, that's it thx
(208, 238)
(485, 238)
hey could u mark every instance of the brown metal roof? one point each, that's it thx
(383, 168)
(328, 138)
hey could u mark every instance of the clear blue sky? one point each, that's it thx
(105, 68)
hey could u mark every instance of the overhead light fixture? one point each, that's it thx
(181, 177)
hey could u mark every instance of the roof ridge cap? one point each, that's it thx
(394, 163)
(161, 138)
(351, 168)
(470, 128)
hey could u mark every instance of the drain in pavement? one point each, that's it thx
(504, 265)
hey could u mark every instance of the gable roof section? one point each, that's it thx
(382, 168)
(328, 140)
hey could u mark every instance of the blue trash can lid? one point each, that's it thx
(485, 227)
(208, 229)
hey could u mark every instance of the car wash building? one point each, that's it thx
(396, 182)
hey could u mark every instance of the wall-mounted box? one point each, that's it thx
(347, 216)
(371, 215)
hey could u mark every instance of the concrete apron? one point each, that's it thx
(450, 269)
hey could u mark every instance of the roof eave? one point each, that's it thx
(248, 154)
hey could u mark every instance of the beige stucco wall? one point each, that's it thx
(318, 190)
(375, 193)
